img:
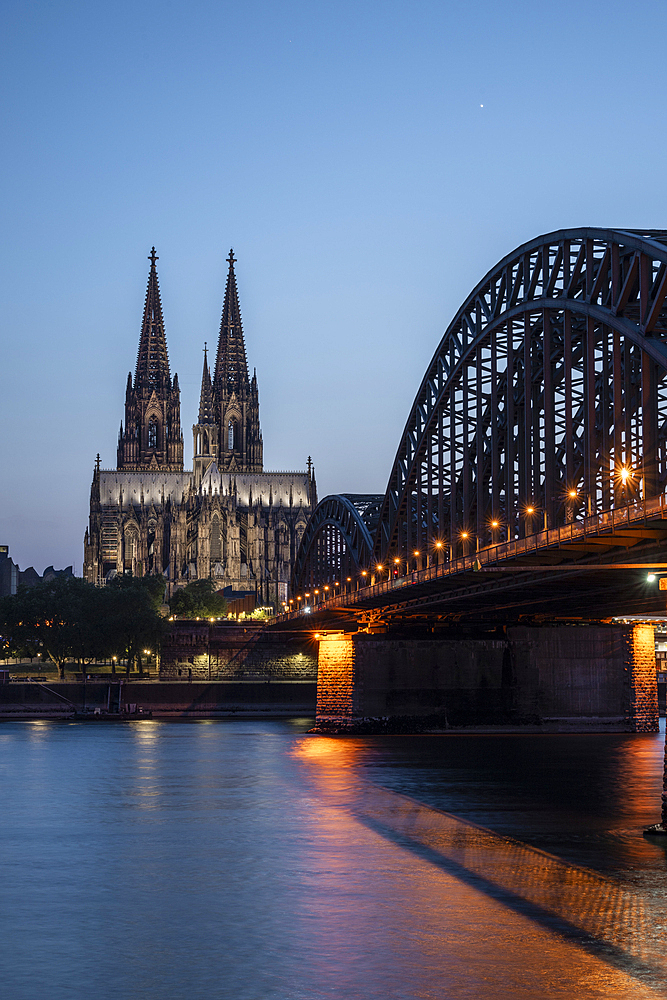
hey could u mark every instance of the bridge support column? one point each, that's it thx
(337, 690)
(640, 666)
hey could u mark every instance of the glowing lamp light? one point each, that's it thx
(650, 578)
(530, 510)
(416, 552)
(464, 535)
(379, 567)
(572, 494)
(494, 524)
(625, 475)
(438, 545)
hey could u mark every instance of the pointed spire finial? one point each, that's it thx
(206, 409)
(231, 366)
(152, 368)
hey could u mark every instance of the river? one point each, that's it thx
(243, 858)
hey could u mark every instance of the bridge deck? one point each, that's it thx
(579, 571)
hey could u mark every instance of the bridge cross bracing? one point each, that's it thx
(545, 400)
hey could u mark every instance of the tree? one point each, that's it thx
(57, 616)
(198, 599)
(73, 620)
(132, 615)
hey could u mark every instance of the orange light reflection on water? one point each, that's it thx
(463, 890)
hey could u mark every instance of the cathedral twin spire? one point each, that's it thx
(228, 407)
(152, 369)
(231, 367)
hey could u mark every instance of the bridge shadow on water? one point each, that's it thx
(612, 921)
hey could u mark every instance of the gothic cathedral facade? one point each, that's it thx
(227, 520)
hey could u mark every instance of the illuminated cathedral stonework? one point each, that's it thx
(227, 519)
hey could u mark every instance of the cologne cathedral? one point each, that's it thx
(227, 519)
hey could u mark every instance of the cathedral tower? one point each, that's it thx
(236, 397)
(152, 438)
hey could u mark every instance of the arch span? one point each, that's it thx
(337, 542)
(548, 392)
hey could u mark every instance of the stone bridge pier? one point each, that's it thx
(561, 676)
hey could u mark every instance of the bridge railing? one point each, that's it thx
(595, 524)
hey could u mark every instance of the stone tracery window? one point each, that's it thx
(152, 433)
(230, 435)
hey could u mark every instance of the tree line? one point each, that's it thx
(71, 620)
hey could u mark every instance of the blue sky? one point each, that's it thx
(368, 162)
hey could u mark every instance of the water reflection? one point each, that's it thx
(243, 859)
(574, 900)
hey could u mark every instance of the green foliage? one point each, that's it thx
(70, 619)
(259, 614)
(198, 600)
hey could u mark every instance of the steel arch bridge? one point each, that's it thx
(547, 392)
(338, 540)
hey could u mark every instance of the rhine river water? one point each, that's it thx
(245, 859)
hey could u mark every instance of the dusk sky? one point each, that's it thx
(368, 162)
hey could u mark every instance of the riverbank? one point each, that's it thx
(170, 699)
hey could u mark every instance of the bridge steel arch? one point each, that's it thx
(550, 381)
(337, 542)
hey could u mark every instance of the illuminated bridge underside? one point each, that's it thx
(550, 379)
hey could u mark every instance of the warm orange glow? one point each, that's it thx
(572, 494)
(363, 572)
(379, 567)
(494, 524)
(397, 561)
(438, 545)
(530, 510)
(464, 534)
(416, 552)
